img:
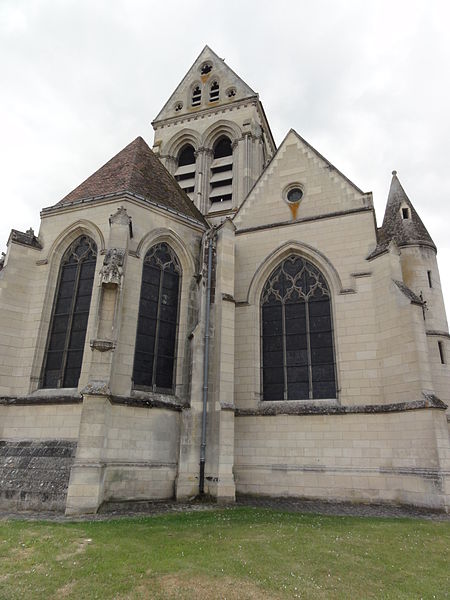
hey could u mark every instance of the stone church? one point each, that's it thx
(220, 316)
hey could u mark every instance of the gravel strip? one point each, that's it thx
(297, 505)
(348, 509)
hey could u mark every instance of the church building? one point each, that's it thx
(218, 316)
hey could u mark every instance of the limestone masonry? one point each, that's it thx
(218, 315)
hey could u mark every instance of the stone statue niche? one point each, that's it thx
(111, 275)
(112, 270)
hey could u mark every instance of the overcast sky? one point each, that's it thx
(365, 82)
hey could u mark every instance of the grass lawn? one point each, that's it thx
(234, 553)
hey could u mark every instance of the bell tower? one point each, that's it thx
(213, 136)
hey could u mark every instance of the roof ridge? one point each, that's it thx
(137, 170)
(133, 163)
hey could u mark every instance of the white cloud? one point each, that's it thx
(365, 82)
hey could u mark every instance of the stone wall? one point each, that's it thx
(141, 454)
(394, 457)
(34, 475)
(34, 421)
(124, 453)
(37, 450)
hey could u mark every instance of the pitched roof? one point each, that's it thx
(136, 170)
(330, 167)
(404, 231)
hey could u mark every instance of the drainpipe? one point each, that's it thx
(205, 370)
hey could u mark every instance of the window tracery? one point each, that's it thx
(154, 358)
(297, 337)
(206, 68)
(65, 345)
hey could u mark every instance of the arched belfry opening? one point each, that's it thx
(221, 179)
(196, 97)
(185, 172)
(222, 117)
(214, 91)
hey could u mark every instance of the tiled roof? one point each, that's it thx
(136, 170)
(404, 231)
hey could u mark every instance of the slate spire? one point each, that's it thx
(401, 221)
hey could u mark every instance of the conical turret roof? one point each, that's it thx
(401, 221)
(136, 170)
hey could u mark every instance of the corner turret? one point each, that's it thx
(401, 221)
(420, 274)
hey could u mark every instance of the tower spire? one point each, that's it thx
(401, 221)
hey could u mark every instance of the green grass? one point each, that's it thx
(233, 553)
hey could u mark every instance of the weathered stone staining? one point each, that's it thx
(327, 374)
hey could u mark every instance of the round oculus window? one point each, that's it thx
(206, 68)
(294, 195)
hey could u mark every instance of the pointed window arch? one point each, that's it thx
(65, 344)
(196, 98)
(214, 91)
(186, 156)
(297, 335)
(222, 147)
(221, 180)
(155, 351)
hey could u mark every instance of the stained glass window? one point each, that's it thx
(154, 358)
(297, 336)
(64, 354)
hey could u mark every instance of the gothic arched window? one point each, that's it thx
(154, 357)
(65, 345)
(297, 335)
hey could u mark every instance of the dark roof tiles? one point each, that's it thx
(137, 170)
(404, 231)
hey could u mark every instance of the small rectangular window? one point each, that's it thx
(441, 352)
(430, 283)
(405, 213)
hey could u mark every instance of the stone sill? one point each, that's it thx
(331, 407)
